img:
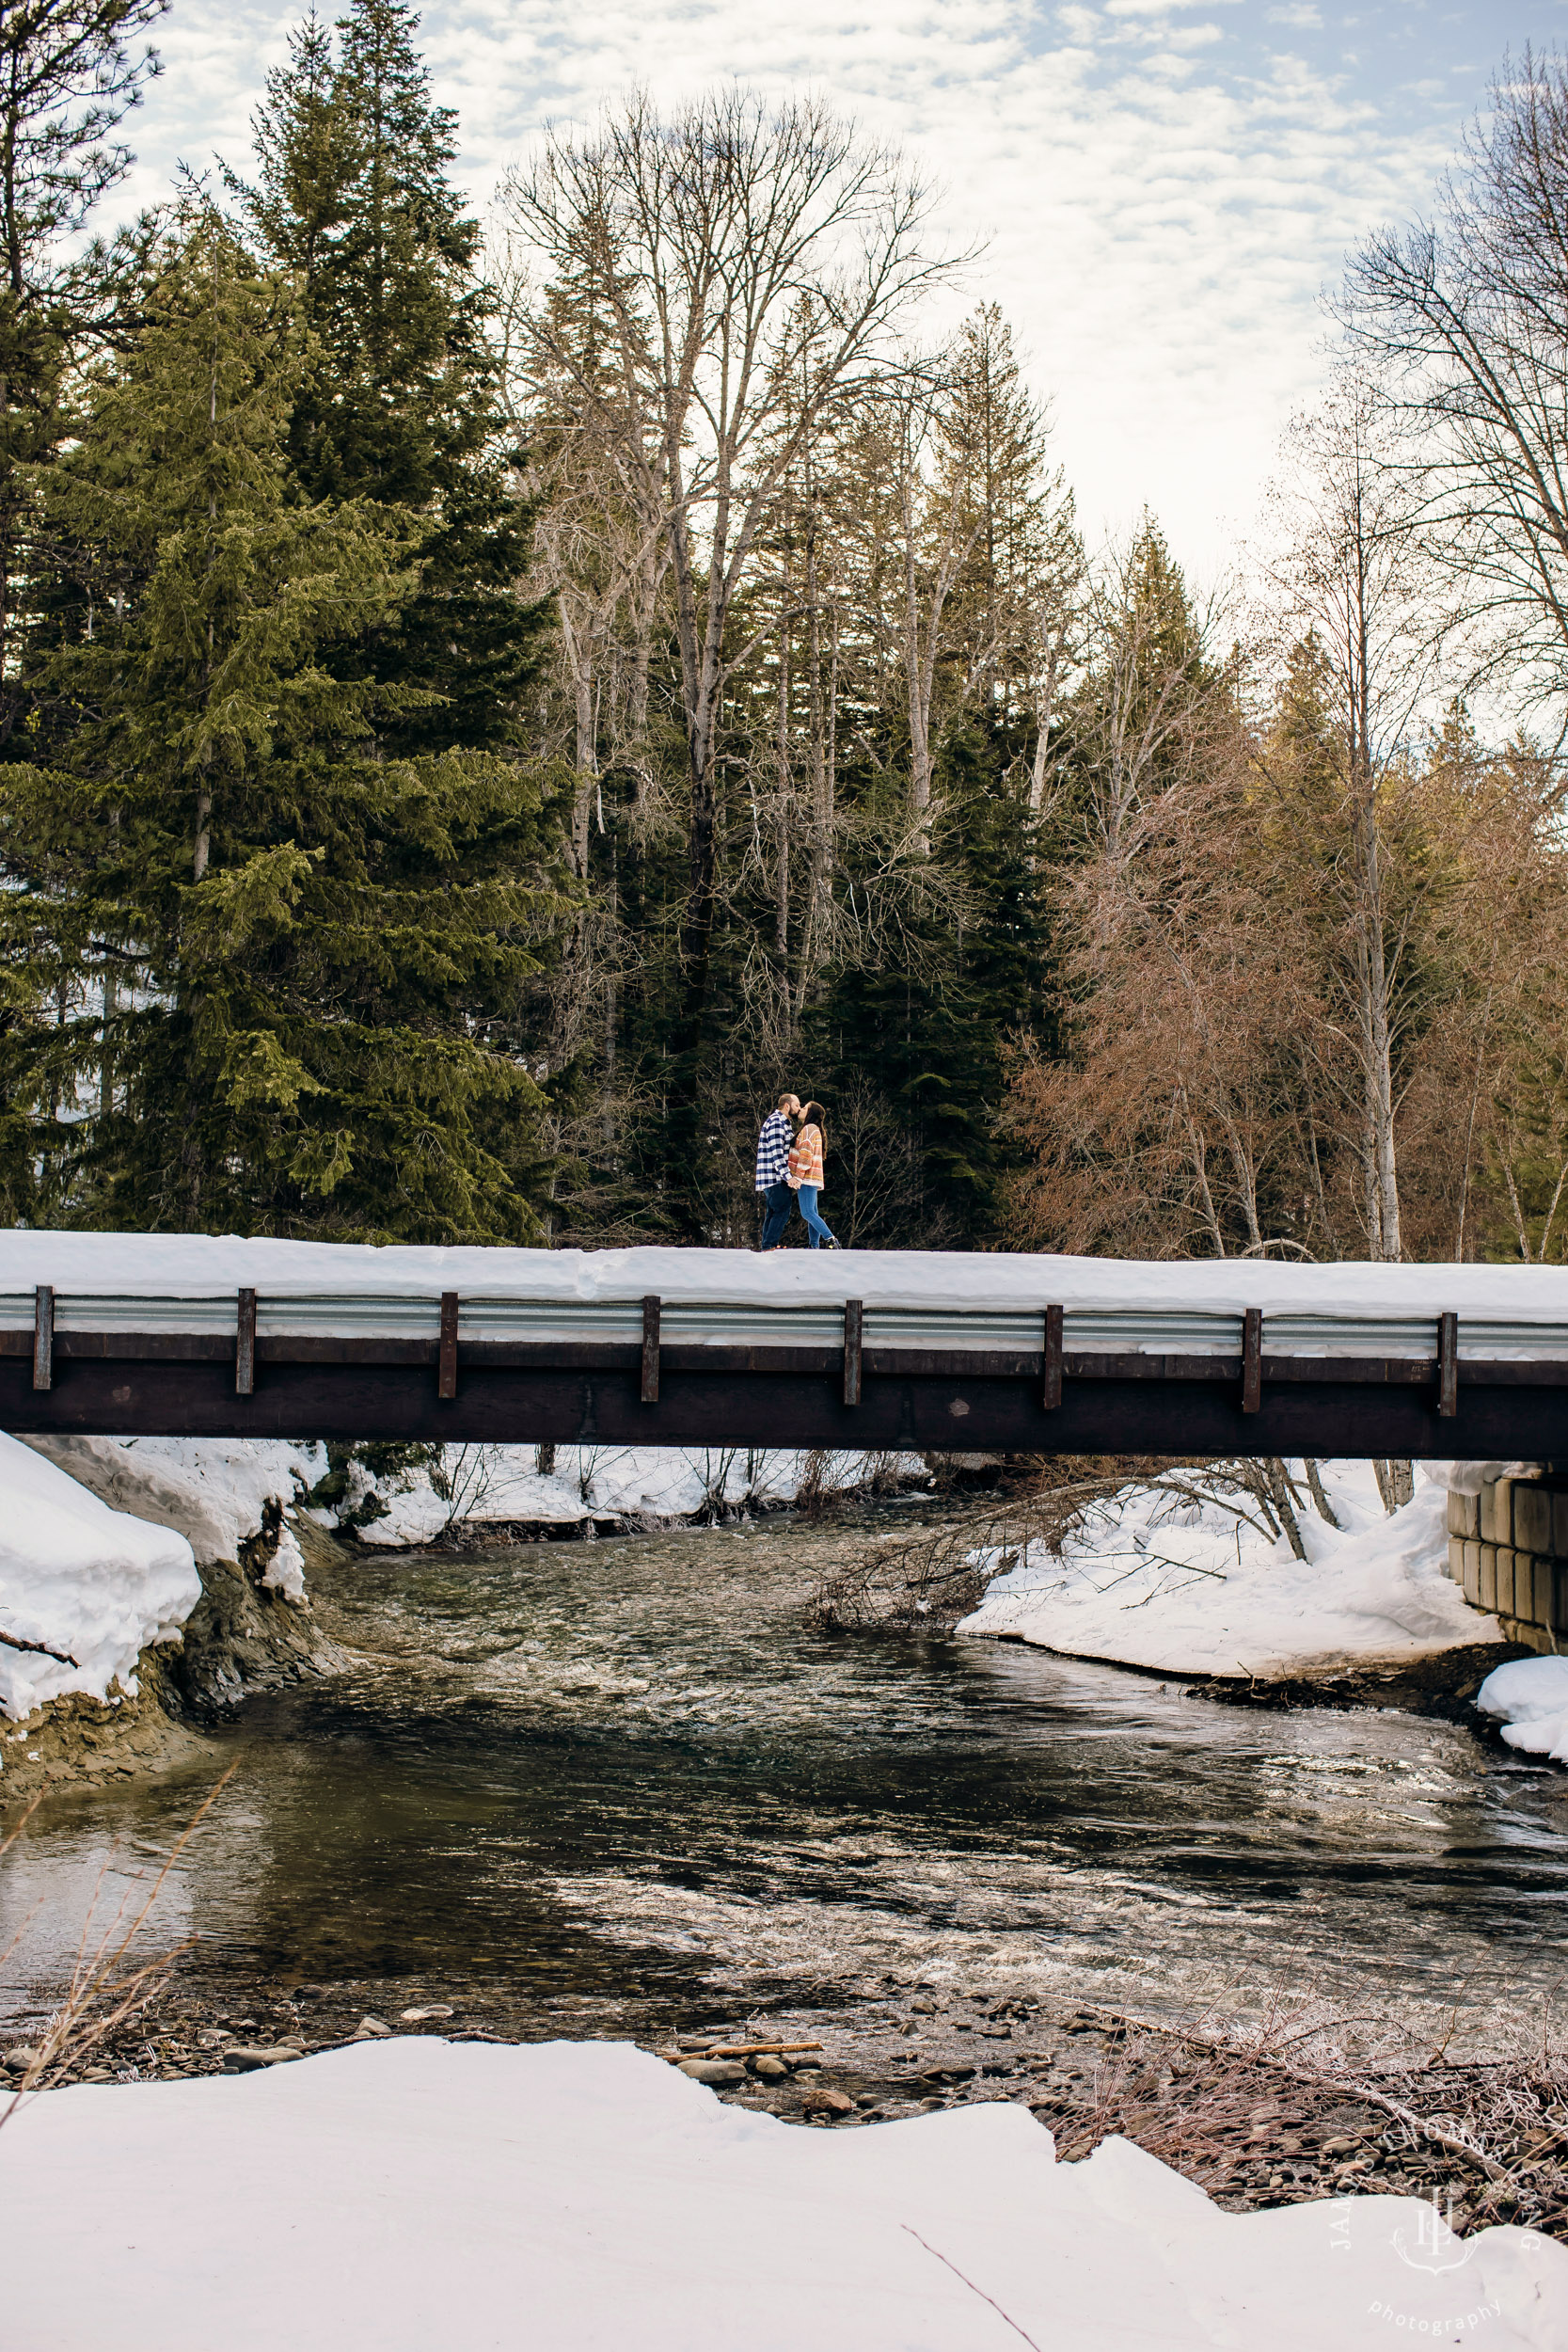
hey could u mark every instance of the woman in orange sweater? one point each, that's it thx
(805, 1172)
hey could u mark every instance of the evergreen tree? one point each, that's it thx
(1024, 560)
(400, 405)
(69, 73)
(306, 944)
(67, 76)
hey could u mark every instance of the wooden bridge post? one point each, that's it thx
(446, 1383)
(853, 1325)
(1050, 1396)
(649, 1391)
(1252, 1359)
(43, 1337)
(1448, 1365)
(244, 1345)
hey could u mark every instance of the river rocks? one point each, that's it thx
(768, 2067)
(77, 1738)
(719, 2074)
(422, 2016)
(18, 2060)
(823, 2100)
(243, 2058)
(371, 2029)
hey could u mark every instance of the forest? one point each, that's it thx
(489, 694)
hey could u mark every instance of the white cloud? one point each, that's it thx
(1158, 228)
(1157, 7)
(1300, 17)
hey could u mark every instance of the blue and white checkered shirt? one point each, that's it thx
(773, 1150)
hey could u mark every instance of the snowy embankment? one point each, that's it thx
(636, 1486)
(1151, 1580)
(571, 2195)
(1530, 1695)
(83, 1578)
(214, 1491)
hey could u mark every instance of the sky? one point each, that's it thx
(1163, 189)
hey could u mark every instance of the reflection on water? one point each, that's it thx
(629, 1778)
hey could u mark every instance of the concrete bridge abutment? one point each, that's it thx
(1508, 1551)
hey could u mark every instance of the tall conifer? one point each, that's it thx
(401, 403)
(307, 938)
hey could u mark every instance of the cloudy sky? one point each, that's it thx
(1164, 187)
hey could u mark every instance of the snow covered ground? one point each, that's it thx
(650, 1482)
(82, 1578)
(1530, 1696)
(1152, 1581)
(414, 2193)
(212, 1490)
(194, 1265)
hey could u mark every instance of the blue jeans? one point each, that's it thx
(814, 1227)
(780, 1201)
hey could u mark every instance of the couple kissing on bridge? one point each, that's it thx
(789, 1170)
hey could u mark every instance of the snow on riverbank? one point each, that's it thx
(500, 1484)
(85, 1579)
(1530, 1696)
(1152, 1581)
(569, 2196)
(212, 1489)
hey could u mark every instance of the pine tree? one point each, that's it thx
(1008, 603)
(69, 73)
(306, 942)
(401, 405)
(67, 76)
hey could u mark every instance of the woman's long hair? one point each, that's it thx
(815, 1115)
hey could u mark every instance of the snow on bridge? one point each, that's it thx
(197, 1335)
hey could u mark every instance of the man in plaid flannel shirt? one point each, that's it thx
(773, 1169)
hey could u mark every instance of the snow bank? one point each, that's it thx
(1468, 1478)
(1531, 1694)
(194, 1266)
(1152, 1581)
(499, 1483)
(212, 1489)
(90, 1580)
(568, 2196)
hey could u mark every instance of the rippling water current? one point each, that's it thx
(626, 1780)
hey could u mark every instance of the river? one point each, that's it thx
(625, 1787)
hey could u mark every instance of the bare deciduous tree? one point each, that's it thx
(1465, 319)
(1354, 578)
(740, 249)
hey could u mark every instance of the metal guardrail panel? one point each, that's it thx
(728, 1322)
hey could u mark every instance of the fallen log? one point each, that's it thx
(739, 2050)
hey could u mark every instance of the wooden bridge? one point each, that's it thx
(139, 1336)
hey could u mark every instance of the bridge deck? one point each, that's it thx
(175, 1336)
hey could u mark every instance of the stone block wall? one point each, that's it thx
(1508, 1547)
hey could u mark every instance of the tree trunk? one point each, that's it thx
(1042, 721)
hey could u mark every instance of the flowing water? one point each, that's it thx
(611, 1786)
